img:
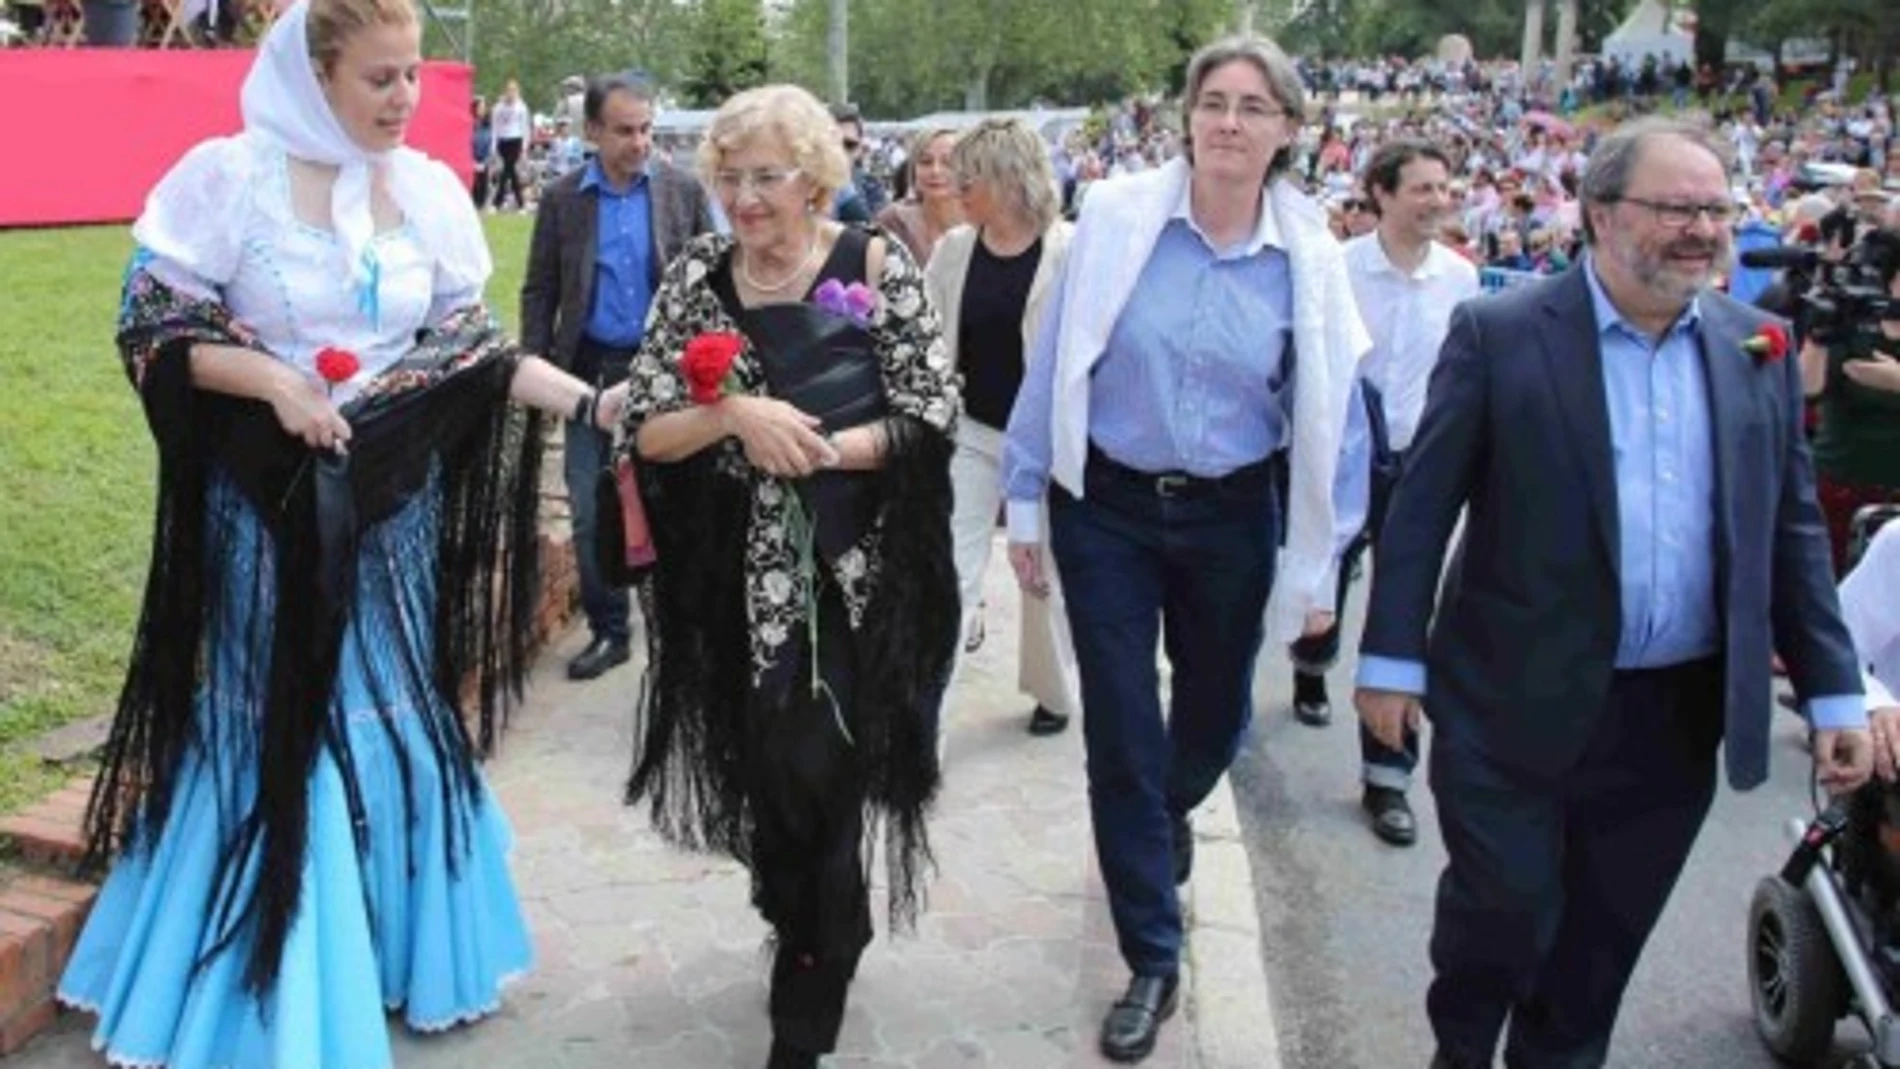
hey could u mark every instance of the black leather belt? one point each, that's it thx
(1250, 477)
(603, 365)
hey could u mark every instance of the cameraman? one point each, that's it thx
(1872, 611)
(1855, 381)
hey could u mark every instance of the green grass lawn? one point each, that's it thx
(76, 478)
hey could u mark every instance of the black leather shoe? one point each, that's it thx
(1313, 714)
(1391, 814)
(1045, 721)
(1129, 1030)
(600, 655)
(1441, 1060)
(1310, 706)
(1183, 850)
(787, 1057)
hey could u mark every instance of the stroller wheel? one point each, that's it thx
(1794, 974)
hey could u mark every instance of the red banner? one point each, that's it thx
(90, 130)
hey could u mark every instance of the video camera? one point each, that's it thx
(1842, 302)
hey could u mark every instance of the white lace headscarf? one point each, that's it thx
(283, 103)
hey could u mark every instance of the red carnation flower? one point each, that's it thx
(1769, 344)
(337, 365)
(707, 362)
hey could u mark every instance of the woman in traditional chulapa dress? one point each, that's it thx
(803, 611)
(305, 840)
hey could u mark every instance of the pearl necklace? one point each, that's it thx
(745, 271)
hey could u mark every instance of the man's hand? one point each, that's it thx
(1387, 713)
(1025, 559)
(1883, 727)
(1843, 758)
(1877, 372)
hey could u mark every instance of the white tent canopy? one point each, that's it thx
(1655, 29)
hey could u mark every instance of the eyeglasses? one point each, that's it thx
(1252, 110)
(764, 182)
(1676, 215)
(852, 144)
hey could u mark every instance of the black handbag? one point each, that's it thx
(826, 366)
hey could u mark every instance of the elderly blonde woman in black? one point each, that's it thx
(990, 280)
(802, 614)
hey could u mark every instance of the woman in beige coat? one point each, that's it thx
(989, 280)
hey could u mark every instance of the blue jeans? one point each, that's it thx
(607, 606)
(1139, 565)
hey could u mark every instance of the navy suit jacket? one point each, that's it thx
(1516, 431)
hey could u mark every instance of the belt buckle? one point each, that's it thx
(1169, 485)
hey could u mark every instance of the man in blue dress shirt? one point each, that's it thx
(602, 235)
(1640, 533)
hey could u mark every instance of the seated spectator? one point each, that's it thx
(1511, 255)
(1547, 258)
(1456, 238)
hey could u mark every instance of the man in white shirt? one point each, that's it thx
(1406, 283)
(1872, 612)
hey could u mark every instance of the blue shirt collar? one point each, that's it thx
(1266, 230)
(595, 178)
(1608, 318)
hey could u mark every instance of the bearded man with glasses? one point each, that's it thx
(1640, 531)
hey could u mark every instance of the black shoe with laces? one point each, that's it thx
(1133, 1023)
(1391, 815)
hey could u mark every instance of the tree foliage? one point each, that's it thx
(908, 57)
(540, 42)
(727, 51)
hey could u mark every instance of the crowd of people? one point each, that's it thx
(1205, 359)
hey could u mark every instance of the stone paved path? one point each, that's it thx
(649, 958)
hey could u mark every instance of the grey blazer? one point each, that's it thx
(559, 286)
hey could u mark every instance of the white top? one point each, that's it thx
(1872, 609)
(509, 120)
(1407, 316)
(220, 225)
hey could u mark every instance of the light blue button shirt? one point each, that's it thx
(623, 259)
(1662, 435)
(1195, 376)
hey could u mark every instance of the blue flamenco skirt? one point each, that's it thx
(404, 924)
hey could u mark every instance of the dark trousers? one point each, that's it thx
(808, 828)
(1553, 884)
(586, 452)
(509, 149)
(1138, 565)
(1379, 765)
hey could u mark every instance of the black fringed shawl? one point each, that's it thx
(440, 413)
(715, 625)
